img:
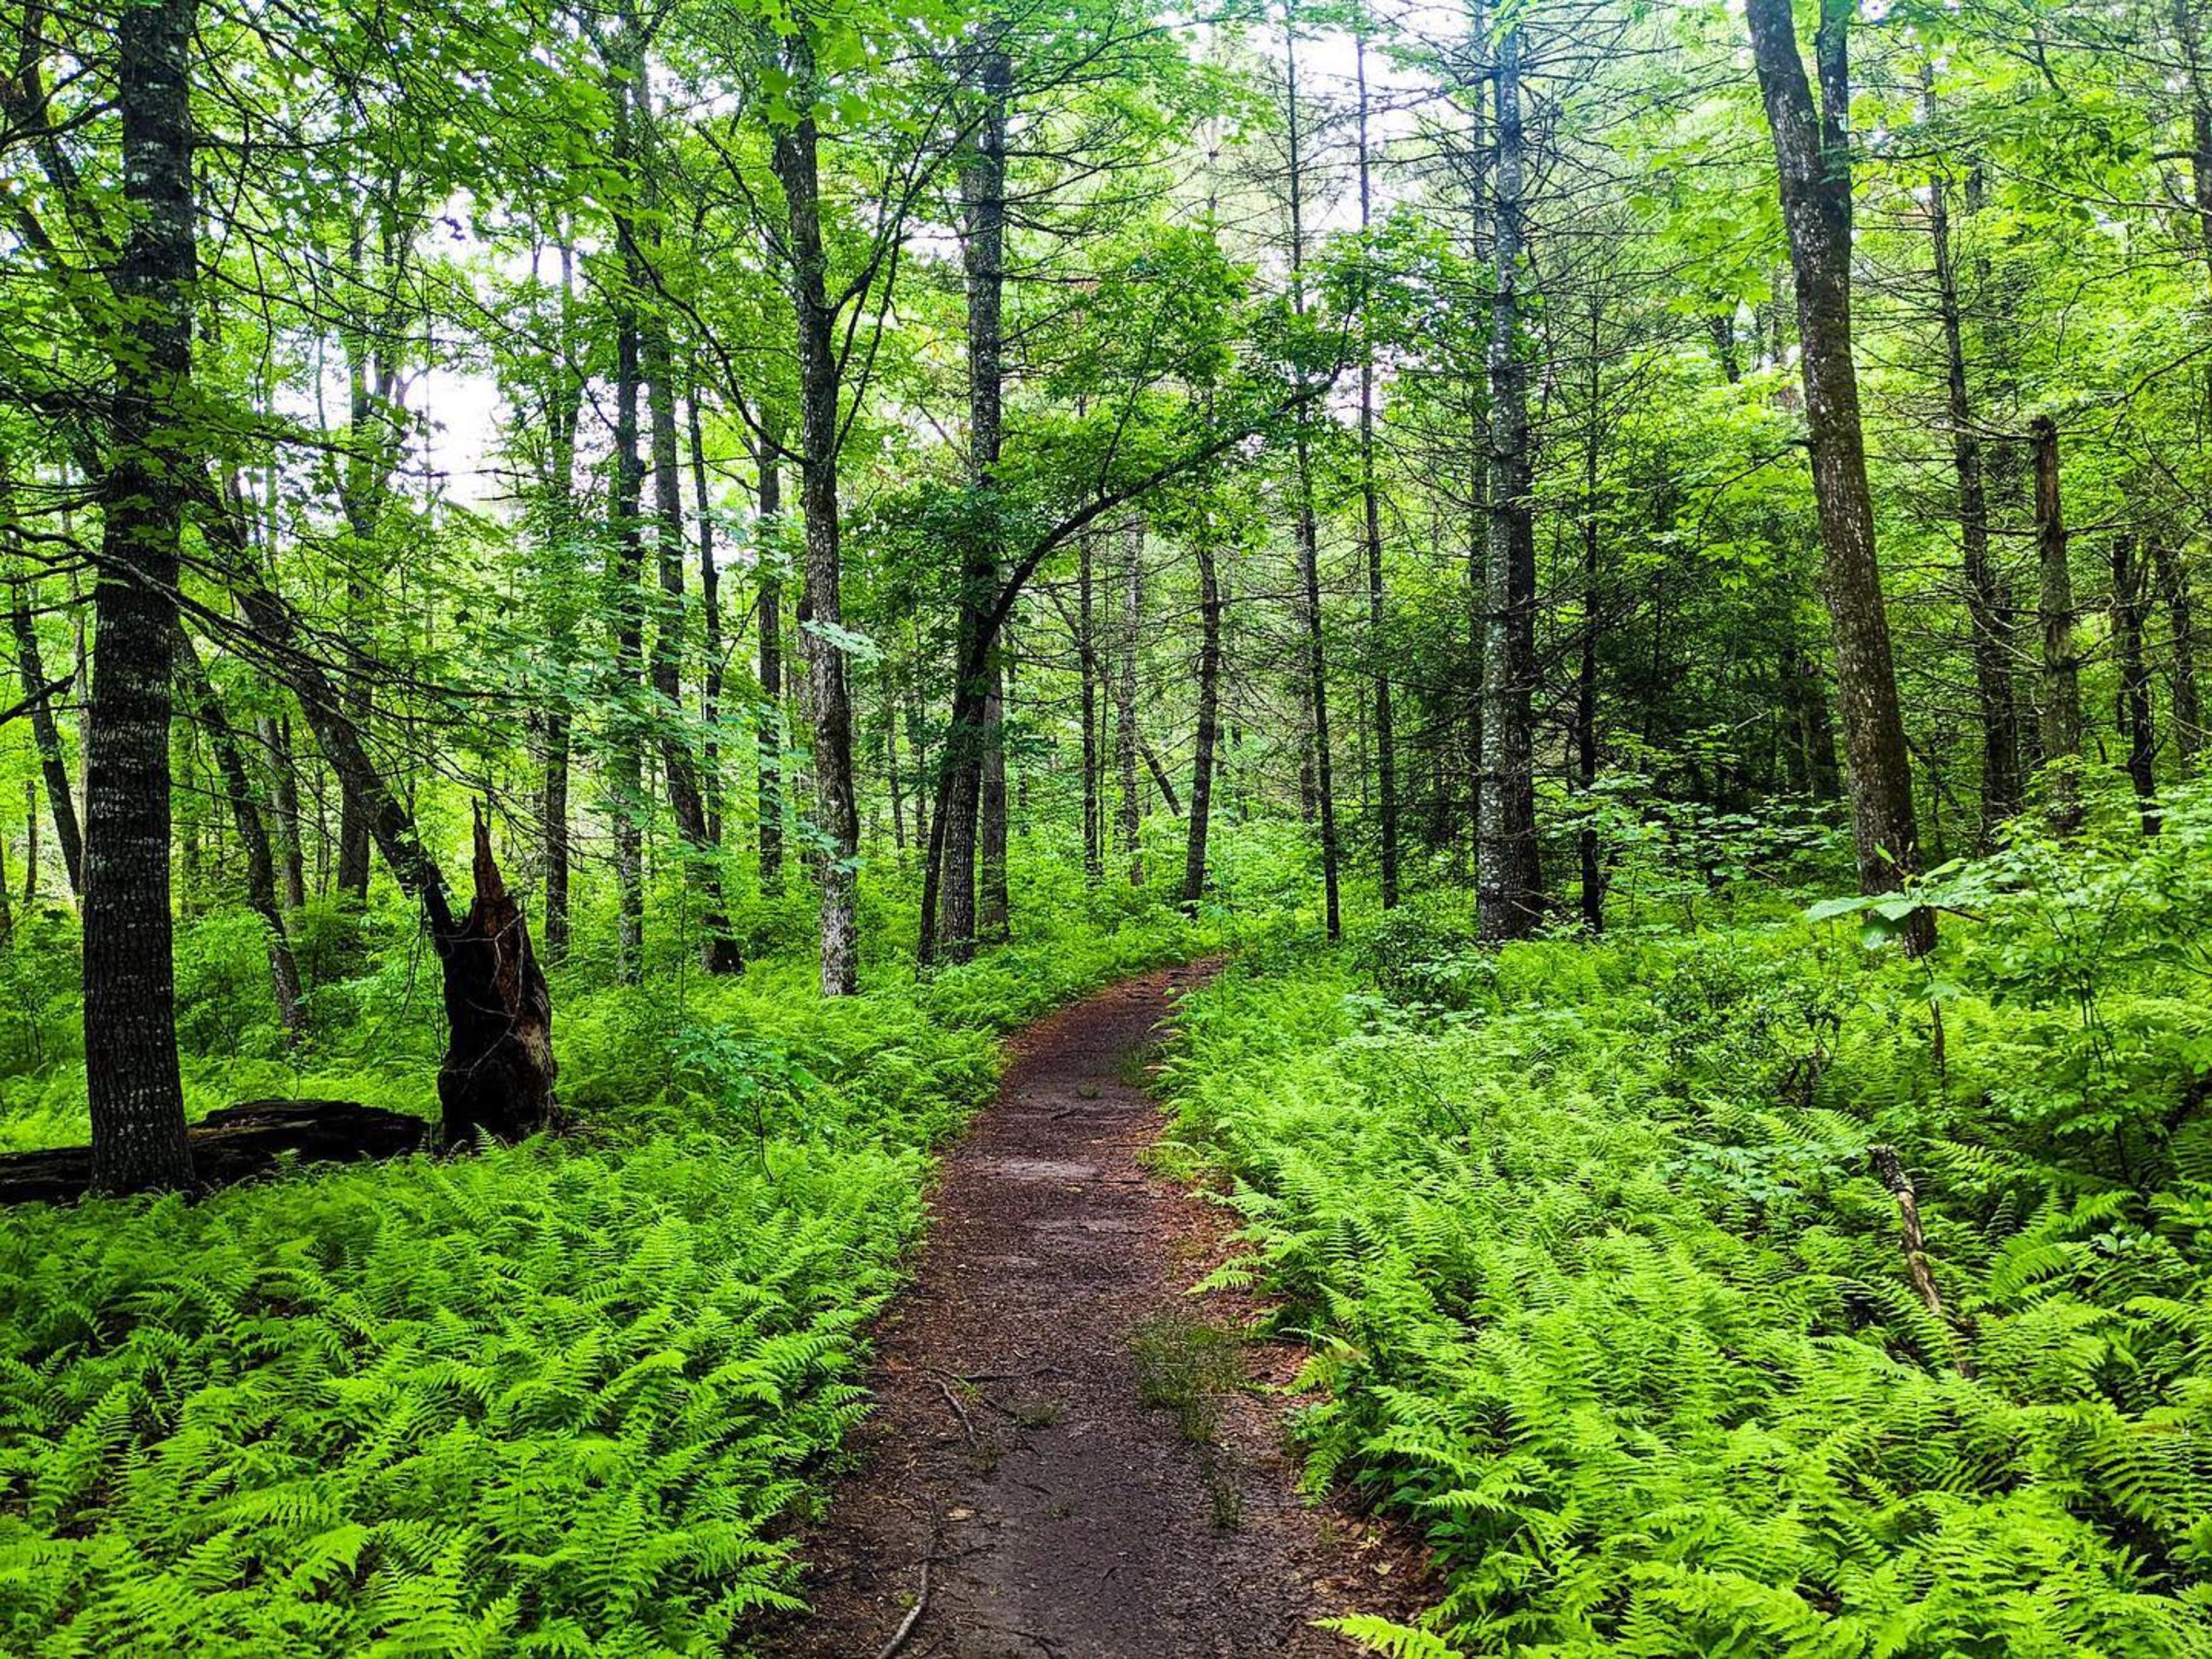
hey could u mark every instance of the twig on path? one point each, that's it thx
(912, 1618)
(967, 1425)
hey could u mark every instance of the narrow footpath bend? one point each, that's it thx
(1059, 1518)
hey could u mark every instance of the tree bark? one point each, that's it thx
(2173, 580)
(718, 948)
(768, 620)
(1812, 158)
(1386, 763)
(135, 1092)
(1322, 783)
(1988, 605)
(1209, 718)
(1590, 854)
(710, 607)
(1086, 652)
(2062, 690)
(2129, 582)
(1509, 883)
(553, 814)
(1125, 698)
(47, 738)
(291, 866)
(796, 160)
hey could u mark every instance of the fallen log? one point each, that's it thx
(233, 1144)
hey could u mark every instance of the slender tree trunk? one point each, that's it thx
(135, 1092)
(252, 834)
(2061, 689)
(1813, 156)
(994, 903)
(1209, 719)
(1590, 854)
(1510, 892)
(2173, 580)
(797, 168)
(973, 732)
(2129, 582)
(625, 743)
(888, 684)
(47, 738)
(710, 607)
(554, 816)
(1321, 784)
(291, 866)
(718, 949)
(1988, 606)
(30, 846)
(768, 618)
(1086, 652)
(1386, 763)
(1125, 698)
(916, 741)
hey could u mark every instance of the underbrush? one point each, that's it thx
(1603, 1294)
(566, 1397)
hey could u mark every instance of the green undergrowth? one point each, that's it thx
(1603, 1296)
(566, 1397)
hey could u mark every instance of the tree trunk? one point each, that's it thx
(1988, 606)
(47, 738)
(1812, 154)
(2129, 582)
(2062, 689)
(291, 866)
(888, 684)
(1509, 890)
(710, 607)
(252, 834)
(797, 168)
(136, 1093)
(625, 764)
(1322, 785)
(718, 948)
(767, 619)
(31, 845)
(555, 817)
(1125, 699)
(2181, 633)
(993, 904)
(1086, 652)
(1590, 854)
(1209, 718)
(1371, 522)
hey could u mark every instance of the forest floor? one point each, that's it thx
(1072, 1448)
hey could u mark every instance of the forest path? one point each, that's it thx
(1059, 1518)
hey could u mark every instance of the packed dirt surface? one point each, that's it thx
(1059, 1517)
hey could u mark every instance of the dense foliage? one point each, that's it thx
(637, 581)
(1605, 1297)
(566, 1397)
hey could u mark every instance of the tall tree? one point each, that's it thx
(2061, 714)
(796, 152)
(1323, 790)
(1812, 153)
(132, 1075)
(1509, 890)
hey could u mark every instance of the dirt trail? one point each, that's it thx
(1061, 1519)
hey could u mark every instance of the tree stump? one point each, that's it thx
(497, 1076)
